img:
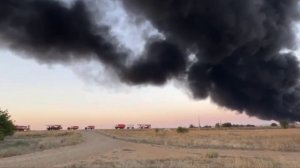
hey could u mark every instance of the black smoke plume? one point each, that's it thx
(242, 48)
(53, 32)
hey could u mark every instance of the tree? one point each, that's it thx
(217, 125)
(228, 124)
(274, 125)
(284, 124)
(192, 126)
(6, 125)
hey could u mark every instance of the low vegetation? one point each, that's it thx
(27, 142)
(248, 139)
(182, 130)
(212, 154)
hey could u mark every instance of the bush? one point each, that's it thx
(274, 125)
(6, 125)
(284, 124)
(182, 130)
(212, 155)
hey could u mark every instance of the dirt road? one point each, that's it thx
(98, 145)
(93, 144)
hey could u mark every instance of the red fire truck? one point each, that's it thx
(89, 127)
(22, 128)
(120, 126)
(54, 127)
(73, 128)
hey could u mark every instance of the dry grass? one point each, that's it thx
(32, 141)
(248, 139)
(200, 162)
(41, 134)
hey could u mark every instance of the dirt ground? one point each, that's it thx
(98, 150)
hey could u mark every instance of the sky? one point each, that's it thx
(38, 94)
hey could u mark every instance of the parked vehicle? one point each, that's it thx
(144, 126)
(73, 128)
(89, 127)
(22, 128)
(54, 127)
(120, 126)
(130, 126)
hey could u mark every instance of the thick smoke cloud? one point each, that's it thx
(238, 46)
(160, 61)
(52, 32)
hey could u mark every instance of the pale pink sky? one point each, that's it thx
(38, 95)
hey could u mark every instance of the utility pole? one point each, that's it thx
(199, 126)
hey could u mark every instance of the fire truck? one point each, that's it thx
(89, 127)
(73, 128)
(130, 126)
(54, 127)
(22, 128)
(120, 126)
(144, 126)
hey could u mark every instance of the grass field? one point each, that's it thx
(32, 141)
(158, 148)
(219, 148)
(246, 139)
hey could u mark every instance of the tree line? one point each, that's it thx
(283, 124)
